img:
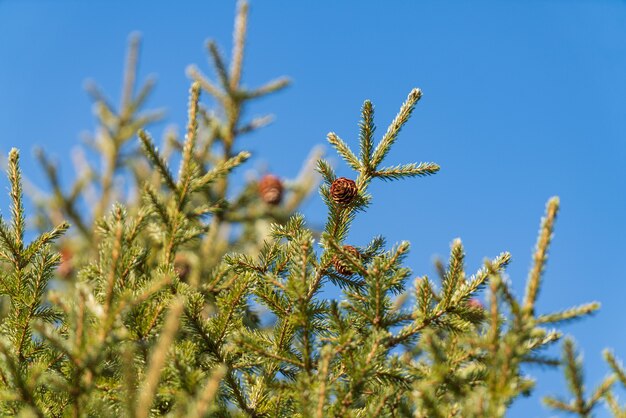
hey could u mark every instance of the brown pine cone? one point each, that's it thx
(340, 265)
(475, 303)
(343, 191)
(271, 189)
(66, 267)
(182, 267)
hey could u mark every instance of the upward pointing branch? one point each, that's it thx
(239, 39)
(366, 135)
(392, 132)
(190, 142)
(541, 255)
(17, 206)
(130, 74)
(158, 358)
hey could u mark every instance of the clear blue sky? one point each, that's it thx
(522, 100)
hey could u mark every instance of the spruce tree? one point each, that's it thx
(194, 293)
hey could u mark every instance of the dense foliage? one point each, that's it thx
(200, 294)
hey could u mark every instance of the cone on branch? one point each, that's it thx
(66, 266)
(341, 265)
(475, 303)
(271, 189)
(182, 267)
(343, 191)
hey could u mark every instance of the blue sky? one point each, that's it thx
(522, 100)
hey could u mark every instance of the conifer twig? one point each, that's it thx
(540, 255)
(185, 171)
(394, 128)
(239, 39)
(157, 360)
(208, 394)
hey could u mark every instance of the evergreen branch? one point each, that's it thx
(239, 39)
(67, 205)
(158, 162)
(559, 404)
(205, 209)
(613, 406)
(271, 87)
(274, 300)
(235, 298)
(601, 391)
(366, 135)
(24, 391)
(220, 67)
(396, 125)
(493, 336)
(17, 206)
(194, 73)
(186, 169)
(9, 242)
(258, 350)
(62, 346)
(569, 314)
(157, 360)
(505, 288)
(117, 128)
(142, 95)
(98, 96)
(115, 258)
(406, 170)
(410, 331)
(327, 172)
(454, 276)
(344, 150)
(221, 170)
(46, 238)
(616, 366)
(345, 282)
(323, 377)
(208, 393)
(157, 205)
(541, 255)
(424, 295)
(234, 385)
(41, 275)
(129, 130)
(80, 185)
(541, 360)
(230, 379)
(544, 340)
(477, 281)
(255, 124)
(130, 380)
(574, 376)
(130, 74)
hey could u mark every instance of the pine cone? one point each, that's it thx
(271, 189)
(182, 267)
(343, 191)
(340, 265)
(66, 267)
(475, 303)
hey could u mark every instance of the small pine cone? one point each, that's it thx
(182, 267)
(475, 303)
(340, 265)
(271, 189)
(66, 267)
(343, 191)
